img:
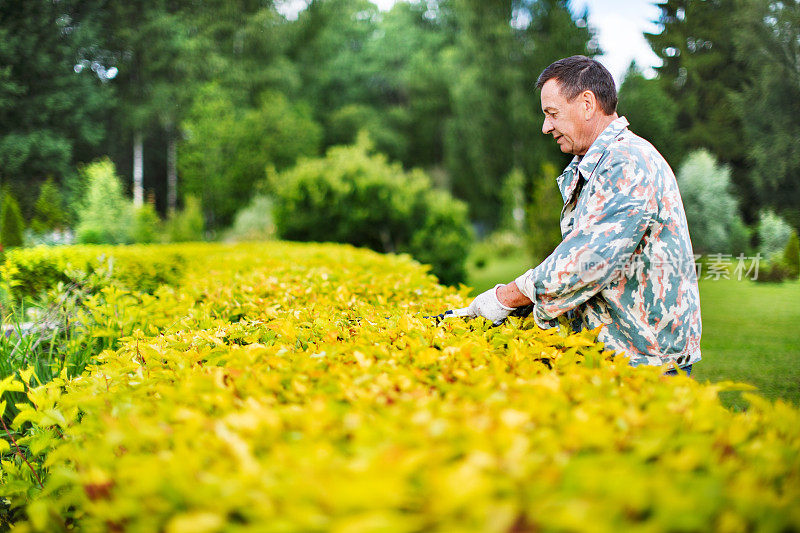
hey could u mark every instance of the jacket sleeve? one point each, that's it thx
(617, 205)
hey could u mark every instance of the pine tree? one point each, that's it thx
(700, 72)
(50, 114)
(48, 210)
(791, 255)
(11, 223)
(768, 40)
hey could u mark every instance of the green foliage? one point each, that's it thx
(353, 197)
(367, 416)
(30, 272)
(785, 264)
(774, 271)
(146, 226)
(773, 233)
(49, 114)
(443, 237)
(767, 39)
(711, 209)
(254, 222)
(228, 147)
(187, 224)
(345, 124)
(544, 215)
(651, 112)
(512, 217)
(48, 211)
(701, 73)
(104, 214)
(791, 255)
(54, 334)
(494, 69)
(11, 223)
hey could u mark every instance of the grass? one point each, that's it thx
(750, 330)
(500, 270)
(750, 334)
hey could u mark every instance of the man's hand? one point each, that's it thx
(489, 307)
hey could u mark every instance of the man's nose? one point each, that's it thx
(547, 127)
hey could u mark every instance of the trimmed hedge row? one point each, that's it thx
(28, 272)
(300, 388)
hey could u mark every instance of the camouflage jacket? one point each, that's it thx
(625, 262)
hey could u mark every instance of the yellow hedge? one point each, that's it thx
(299, 388)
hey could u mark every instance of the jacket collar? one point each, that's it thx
(584, 165)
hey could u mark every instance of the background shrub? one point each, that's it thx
(354, 197)
(29, 272)
(48, 210)
(714, 222)
(782, 266)
(543, 215)
(443, 240)
(254, 222)
(146, 226)
(773, 233)
(187, 224)
(791, 255)
(104, 215)
(11, 223)
(228, 147)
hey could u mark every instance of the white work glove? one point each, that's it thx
(489, 307)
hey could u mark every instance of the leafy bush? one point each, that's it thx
(773, 233)
(29, 272)
(774, 271)
(443, 238)
(544, 214)
(146, 225)
(11, 223)
(330, 404)
(187, 224)
(254, 222)
(513, 195)
(346, 123)
(711, 211)
(48, 211)
(785, 266)
(353, 197)
(791, 255)
(229, 146)
(104, 216)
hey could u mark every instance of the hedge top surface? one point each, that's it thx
(290, 387)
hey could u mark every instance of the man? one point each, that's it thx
(625, 263)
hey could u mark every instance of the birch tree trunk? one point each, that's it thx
(138, 170)
(172, 174)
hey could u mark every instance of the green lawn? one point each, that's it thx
(750, 330)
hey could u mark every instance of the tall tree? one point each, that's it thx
(378, 71)
(768, 41)
(228, 148)
(701, 72)
(503, 45)
(49, 113)
(159, 61)
(328, 48)
(650, 111)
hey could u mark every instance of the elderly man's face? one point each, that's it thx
(566, 121)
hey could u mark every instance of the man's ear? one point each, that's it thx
(588, 104)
